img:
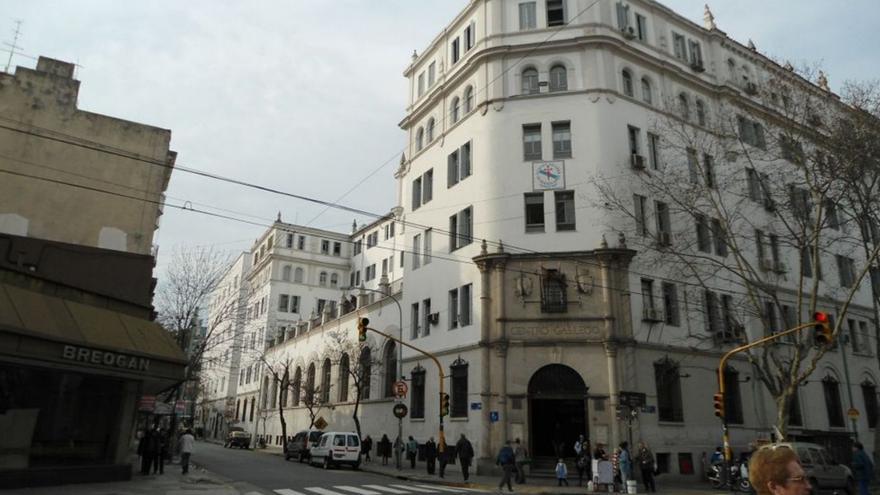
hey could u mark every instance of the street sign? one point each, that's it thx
(853, 413)
(147, 403)
(400, 410)
(493, 416)
(400, 389)
(633, 399)
(320, 423)
(476, 406)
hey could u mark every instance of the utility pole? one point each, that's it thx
(14, 45)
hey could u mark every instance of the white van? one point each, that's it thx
(337, 447)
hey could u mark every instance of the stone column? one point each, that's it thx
(613, 392)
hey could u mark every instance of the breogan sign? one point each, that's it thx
(106, 358)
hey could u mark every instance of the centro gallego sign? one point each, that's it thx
(106, 358)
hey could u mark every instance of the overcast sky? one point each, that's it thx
(305, 96)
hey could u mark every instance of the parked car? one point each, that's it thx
(823, 471)
(335, 448)
(301, 443)
(237, 437)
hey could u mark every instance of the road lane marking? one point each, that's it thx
(472, 490)
(359, 491)
(412, 488)
(386, 489)
(323, 491)
(287, 491)
(442, 488)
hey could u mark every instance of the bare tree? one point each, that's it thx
(279, 374)
(312, 398)
(746, 208)
(358, 362)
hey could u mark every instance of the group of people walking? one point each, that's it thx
(463, 451)
(153, 449)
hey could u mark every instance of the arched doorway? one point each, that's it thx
(557, 411)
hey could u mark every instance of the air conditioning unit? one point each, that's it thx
(664, 239)
(652, 314)
(751, 88)
(628, 33)
(779, 267)
(766, 265)
(434, 318)
(697, 66)
(637, 161)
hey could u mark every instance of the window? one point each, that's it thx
(344, 370)
(732, 399)
(453, 309)
(366, 372)
(294, 304)
(298, 275)
(622, 16)
(720, 237)
(668, 383)
(428, 246)
(564, 210)
(431, 68)
(301, 242)
(831, 215)
(647, 94)
(417, 401)
(683, 107)
(833, 406)
(695, 55)
(370, 273)
(469, 36)
(679, 47)
(661, 211)
(534, 212)
(426, 316)
(416, 247)
(420, 136)
(421, 84)
(653, 150)
(801, 203)
(325, 381)
(466, 156)
(464, 296)
(285, 273)
(357, 278)
(553, 292)
(389, 363)
(869, 395)
(627, 83)
(468, 99)
(648, 294)
(429, 130)
(427, 186)
(558, 78)
(753, 184)
(693, 165)
(670, 304)
(453, 110)
(704, 241)
(532, 142)
(283, 302)
(325, 247)
(417, 193)
(337, 249)
(334, 280)
(455, 52)
(640, 213)
(632, 134)
(460, 229)
(847, 270)
(530, 81)
(712, 313)
(701, 112)
(527, 17)
(414, 321)
(458, 403)
(458, 165)
(561, 140)
(641, 27)
(751, 132)
(372, 239)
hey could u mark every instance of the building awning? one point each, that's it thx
(34, 325)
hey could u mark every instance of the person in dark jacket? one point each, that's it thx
(862, 468)
(384, 449)
(366, 447)
(144, 451)
(646, 464)
(506, 459)
(412, 451)
(161, 452)
(430, 455)
(465, 455)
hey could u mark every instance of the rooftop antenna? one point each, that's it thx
(14, 45)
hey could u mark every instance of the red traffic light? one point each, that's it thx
(718, 404)
(822, 335)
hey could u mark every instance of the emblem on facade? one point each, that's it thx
(584, 281)
(523, 287)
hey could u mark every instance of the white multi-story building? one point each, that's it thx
(516, 111)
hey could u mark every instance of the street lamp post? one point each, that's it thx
(397, 459)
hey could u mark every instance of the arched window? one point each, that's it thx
(389, 363)
(530, 81)
(420, 138)
(647, 96)
(322, 279)
(298, 275)
(453, 110)
(701, 112)
(468, 99)
(264, 400)
(365, 367)
(285, 273)
(833, 405)
(344, 370)
(684, 108)
(869, 395)
(417, 399)
(297, 385)
(325, 381)
(458, 403)
(253, 404)
(558, 78)
(334, 280)
(627, 83)
(429, 132)
(285, 388)
(244, 410)
(668, 382)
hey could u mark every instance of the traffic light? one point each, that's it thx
(362, 329)
(718, 402)
(822, 330)
(444, 404)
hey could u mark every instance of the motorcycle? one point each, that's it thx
(737, 477)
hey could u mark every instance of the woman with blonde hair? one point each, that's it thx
(776, 470)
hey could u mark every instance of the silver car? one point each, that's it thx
(823, 471)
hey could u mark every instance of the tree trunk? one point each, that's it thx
(281, 418)
(354, 415)
(783, 403)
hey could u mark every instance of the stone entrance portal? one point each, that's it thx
(557, 411)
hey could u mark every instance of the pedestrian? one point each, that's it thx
(646, 465)
(862, 467)
(384, 449)
(186, 449)
(430, 455)
(366, 447)
(584, 463)
(519, 457)
(776, 470)
(506, 460)
(625, 461)
(561, 473)
(144, 451)
(159, 462)
(717, 457)
(465, 455)
(412, 450)
(579, 446)
(443, 458)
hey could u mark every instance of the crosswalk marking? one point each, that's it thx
(286, 491)
(359, 491)
(323, 491)
(473, 490)
(442, 488)
(386, 489)
(414, 489)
